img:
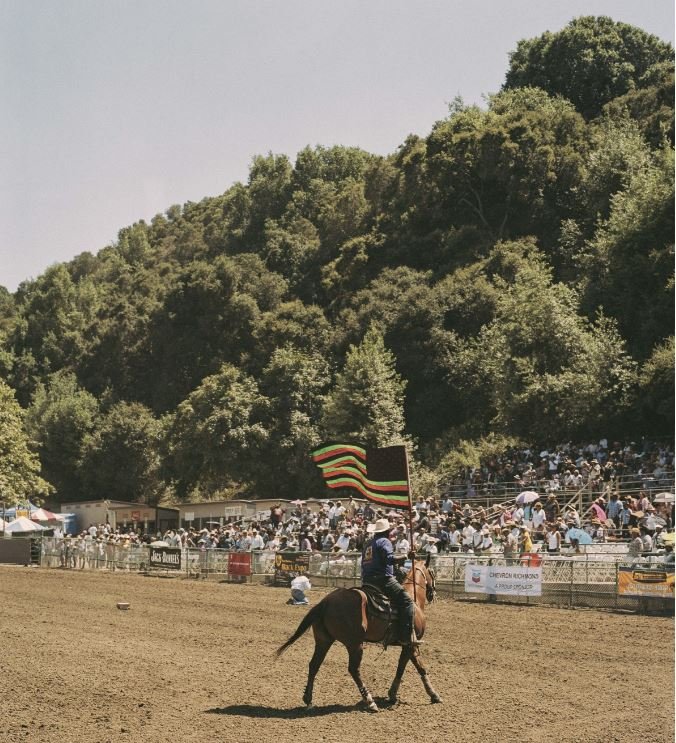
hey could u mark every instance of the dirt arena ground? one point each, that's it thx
(193, 661)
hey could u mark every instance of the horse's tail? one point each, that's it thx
(310, 618)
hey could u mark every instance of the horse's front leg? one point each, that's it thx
(356, 653)
(415, 659)
(401, 667)
(322, 646)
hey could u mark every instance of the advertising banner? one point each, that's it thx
(239, 563)
(288, 565)
(658, 583)
(165, 557)
(511, 580)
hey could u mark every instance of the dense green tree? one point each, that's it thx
(291, 250)
(51, 331)
(514, 266)
(366, 404)
(269, 191)
(655, 395)
(207, 319)
(510, 171)
(630, 259)
(216, 440)
(590, 62)
(61, 418)
(303, 327)
(19, 464)
(545, 366)
(295, 383)
(121, 457)
(651, 104)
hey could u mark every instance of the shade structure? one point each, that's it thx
(664, 498)
(22, 525)
(42, 516)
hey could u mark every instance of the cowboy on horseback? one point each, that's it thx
(377, 568)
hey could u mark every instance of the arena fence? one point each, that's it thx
(608, 579)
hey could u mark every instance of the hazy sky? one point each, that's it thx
(113, 110)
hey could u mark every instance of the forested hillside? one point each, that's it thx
(508, 276)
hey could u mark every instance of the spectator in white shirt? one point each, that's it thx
(299, 585)
(257, 541)
(343, 541)
(402, 546)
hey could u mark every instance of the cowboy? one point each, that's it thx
(377, 568)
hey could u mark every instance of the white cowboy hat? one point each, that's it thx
(380, 525)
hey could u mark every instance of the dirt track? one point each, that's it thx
(192, 661)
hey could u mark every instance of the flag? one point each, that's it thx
(381, 475)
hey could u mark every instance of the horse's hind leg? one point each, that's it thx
(415, 659)
(403, 660)
(322, 644)
(356, 652)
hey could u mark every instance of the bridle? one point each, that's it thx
(430, 586)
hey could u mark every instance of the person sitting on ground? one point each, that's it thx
(299, 585)
(377, 568)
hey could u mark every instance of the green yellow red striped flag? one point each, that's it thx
(381, 475)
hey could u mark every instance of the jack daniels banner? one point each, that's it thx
(165, 557)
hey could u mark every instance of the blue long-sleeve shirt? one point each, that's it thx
(377, 558)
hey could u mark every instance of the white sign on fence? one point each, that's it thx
(513, 580)
(232, 511)
(189, 516)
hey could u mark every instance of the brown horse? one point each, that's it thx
(342, 616)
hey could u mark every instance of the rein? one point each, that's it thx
(412, 581)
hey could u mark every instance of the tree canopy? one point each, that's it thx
(508, 276)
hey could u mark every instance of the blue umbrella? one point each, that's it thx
(579, 534)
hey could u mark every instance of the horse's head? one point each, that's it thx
(423, 569)
(430, 581)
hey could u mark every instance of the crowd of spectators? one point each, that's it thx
(341, 527)
(569, 466)
(451, 525)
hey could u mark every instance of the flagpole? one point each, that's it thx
(410, 521)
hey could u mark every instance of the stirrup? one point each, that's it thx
(411, 640)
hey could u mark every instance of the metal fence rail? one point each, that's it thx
(580, 580)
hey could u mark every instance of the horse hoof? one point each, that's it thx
(436, 699)
(373, 707)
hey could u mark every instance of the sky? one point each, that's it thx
(113, 111)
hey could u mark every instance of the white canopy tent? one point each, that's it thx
(22, 525)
